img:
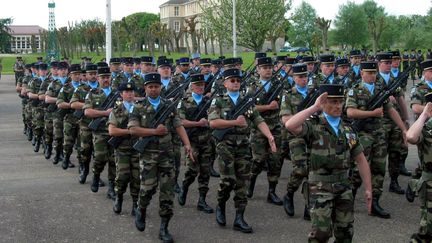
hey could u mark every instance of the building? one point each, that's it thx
(22, 38)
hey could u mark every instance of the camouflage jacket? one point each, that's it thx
(418, 93)
(121, 78)
(79, 96)
(33, 87)
(94, 100)
(119, 117)
(424, 146)
(187, 109)
(65, 95)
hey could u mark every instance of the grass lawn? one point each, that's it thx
(8, 60)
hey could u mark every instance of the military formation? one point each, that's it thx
(338, 120)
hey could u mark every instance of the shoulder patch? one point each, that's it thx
(213, 102)
(179, 105)
(351, 92)
(310, 82)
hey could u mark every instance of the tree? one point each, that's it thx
(191, 29)
(376, 18)
(304, 30)
(349, 23)
(279, 31)
(323, 26)
(5, 36)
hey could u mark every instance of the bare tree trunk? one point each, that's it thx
(273, 44)
(187, 42)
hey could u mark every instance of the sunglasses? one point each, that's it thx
(235, 80)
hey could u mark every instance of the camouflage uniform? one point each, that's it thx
(48, 115)
(372, 137)
(126, 158)
(37, 109)
(157, 161)
(125, 77)
(331, 157)
(233, 153)
(23, 82)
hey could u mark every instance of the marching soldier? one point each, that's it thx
(126, 158)
(327, 66)
(137, 66)
(156, 162)
(184, 73)
(233, 149)
(288, 68)
(343, 76)
(372, 134)
(21, 90)
(115, 67)
(405, 60)
(18, 68)
(333, 148)
(412, 61)
(103, 153)
(355, 59)
(420, 59)
(195, 63)
(127, 75)
(199, 136)
(261, 151)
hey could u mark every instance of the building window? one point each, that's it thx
(176, 11)
(177, 26)
(37, 42)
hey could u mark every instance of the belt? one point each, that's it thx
(340, 177)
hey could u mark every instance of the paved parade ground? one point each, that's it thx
(40, 202)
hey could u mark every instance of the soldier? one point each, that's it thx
(156, 162)
(37, 105)
(429, 54)
(85, 134)
(233, 149)
(195, 63)
(103, 153)
(18, 68)
(137, 66)
(420, 59)
(327, 66)
(126, 158)
(127, 75)
(413, 61)
(420, 134)
(343, 76)
(205, 69)
(115, 68)
(199, 136)
(21, 90)
(146, 66)
(333, 148)
(184, 70)
(372, 135)
(261, 151)
(70, 122)
(405, 60)
(355, 58)
(292, 103)
(288, 68)
(51, 99)
(218, 85)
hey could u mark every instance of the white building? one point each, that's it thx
(22, 35)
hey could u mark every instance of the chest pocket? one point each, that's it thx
(362, 100)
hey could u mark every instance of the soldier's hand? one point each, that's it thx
(320, 101)
(274, 105)
(428, 109)
(161, 130)
(109, 110)
(368, 198)
(392, 99)
(378, 112)
(203, 122)
(241, 121)
(272, 144)
(189, 152)
(208, 94)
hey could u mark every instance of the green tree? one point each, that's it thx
(304, 30)
(350, 25)
(377, 23)
(5, 37)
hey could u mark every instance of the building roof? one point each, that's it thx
(25, 29)
(174, 2)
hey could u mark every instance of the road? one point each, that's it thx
(40, 202)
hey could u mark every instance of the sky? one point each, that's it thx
(36, 11)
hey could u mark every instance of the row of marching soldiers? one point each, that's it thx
(135, 116)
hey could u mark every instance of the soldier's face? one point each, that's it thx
(128, 68)
(62, 72)
(137, 66)
(42, 72)
(198, 88)
(355, 60)
(196, 61)
(115, 67)
(395, 63)
(288, 67)
(205, 69)
(214, 68)
(327, 68)
(232, 84)
(104, 81)
(384, 66)
(342, 70)
(279, 65)
(75, 76)
(333, 106)
(128, 95)
(301, 80)
(54, 71)
(428, 74)
(265, 72)
(153, 90)
(310, 66)
(184, 67)
(146, 67)
(91, 76)
(164, 71)
(368, 77)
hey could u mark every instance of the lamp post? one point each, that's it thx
(108, 31)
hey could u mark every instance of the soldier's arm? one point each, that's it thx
(61, 103)
(113, 130)
(93, 113)
(414, 132)
(266, 131)
(361, 114)
(365, 174)
(76, 105)
(417, 108)
(216, 122)
(394, 115)
(403, 107)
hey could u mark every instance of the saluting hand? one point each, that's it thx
(320, 101)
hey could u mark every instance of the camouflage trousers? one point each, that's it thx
(38, 120)
(127, 171)
(425, 195)
(261, 154)
(396, 149)
(58, 131)
(157, 167)
(103, 154)
(234, 168)
(202, 154)
(299, 158)
(332, 212)
(49, 127)
(28, 114)
(177, 154)
(375, 151)
(86, 143)
(71, 134)
(24, 103)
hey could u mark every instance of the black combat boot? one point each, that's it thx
(394, 186)
(29, 134)
(33, 141)
(66, 161)
(140, 218)
(202, 204)
(48, 151)
(177, 188)
(306, 213)
(183, 194)
(58, 154)
(117, 208)
(164, 235)
(409, 194)
(84, 171)
(354, 193)
(403, 170)
(240, 224)
(95, 184)
(134, 206)
(111, 193)
(25, 129)
(289, 203)
(251, 186)
(220, 214)
(271, 196)
(377, 210)
(213, 172)
(37, 144)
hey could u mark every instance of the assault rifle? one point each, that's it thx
(200, 112)
(95, 124)
(382, 96)
(159, 118)
(276, 91)
(178, 90)
(117, 140)
(211, 82)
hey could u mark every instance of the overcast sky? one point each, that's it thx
(35, 12)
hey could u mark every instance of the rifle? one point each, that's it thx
(116, 141)
(279, 87)
(210, 83)
(382, 96)
(175, 91)
(79, 113)
(158, 118)
(200, 112)
(246, 103)
(108, 103)
(246, 81)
